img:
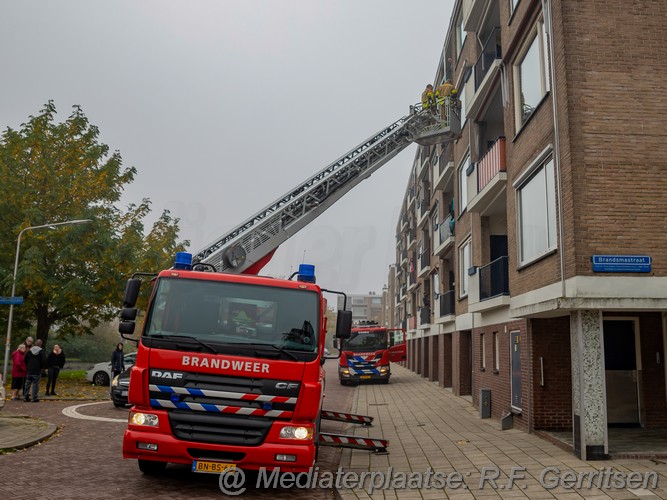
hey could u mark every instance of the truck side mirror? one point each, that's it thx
(344, 324)
(131, 292)
(126, 328)
(128, 314)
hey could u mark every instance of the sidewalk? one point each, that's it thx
(428, 427)
(19, 431)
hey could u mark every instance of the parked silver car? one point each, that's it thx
(100, 374)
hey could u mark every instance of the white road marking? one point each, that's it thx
(71, 411)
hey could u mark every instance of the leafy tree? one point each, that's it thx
(72, 278)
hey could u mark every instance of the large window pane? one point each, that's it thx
(531, 85)
(537, 214)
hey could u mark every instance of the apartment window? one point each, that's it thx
(436, 286)
(463, 183)
(465, 260)
(466, 93)
(482, 341)
(496, 353)
(513, 4)
(537, 213)
(531, 75)
(460, 33)
(376, 301)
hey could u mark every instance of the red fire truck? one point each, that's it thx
(365, 355)
(229, 364)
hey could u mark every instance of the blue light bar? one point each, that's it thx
(306, 273)
(183, 261)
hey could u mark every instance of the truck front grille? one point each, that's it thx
(218, 429)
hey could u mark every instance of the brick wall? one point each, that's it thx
(552, 403)
(653, 371)
(434, 360)
(499, 381)
(445, 352)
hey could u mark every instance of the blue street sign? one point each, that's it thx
(621, 263)
(11, 300)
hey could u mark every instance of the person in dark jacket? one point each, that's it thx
(55, 362)
(117, 361)
(35, 362)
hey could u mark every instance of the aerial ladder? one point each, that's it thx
(248, 247)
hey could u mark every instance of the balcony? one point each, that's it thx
(404, 257)
(475, 14)
(423, 211)
(494, 286)
(412, 323)
(486, 71)
(443, 176)
(425, 316)
(444, 238)
(411, 196)
(446, 307)
(424, 262)
(446, 126)
(412, 279)
(412, 238)
(491, 181)
(404, 291)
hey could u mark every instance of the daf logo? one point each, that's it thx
(169, 375)
(286, 385)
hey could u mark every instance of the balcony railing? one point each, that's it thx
(404, 291)
(491, 163)
(445, 230)
(425, 315)
(491, 51)
(423, 206)
(447, 303)
(494, 279)
(425, 258)
(412, 278)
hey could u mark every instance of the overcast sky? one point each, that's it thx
(223, 106)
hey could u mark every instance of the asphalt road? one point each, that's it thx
(84, 459)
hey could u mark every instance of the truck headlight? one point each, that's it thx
(384, 369)
(145, 419)
(301, 433)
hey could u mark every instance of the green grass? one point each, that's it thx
(72, 375)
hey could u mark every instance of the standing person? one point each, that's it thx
(35, 362)
(428, 97)
(117, 362)
(55, 362)
(28, 343)
(18, 371)
(442, 93)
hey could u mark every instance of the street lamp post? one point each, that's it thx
(16, 265)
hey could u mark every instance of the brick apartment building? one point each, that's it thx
(532, 241)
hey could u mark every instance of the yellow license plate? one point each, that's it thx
(364, 377)
(211, 467)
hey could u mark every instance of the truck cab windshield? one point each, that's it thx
(221, 313)
(366, 340)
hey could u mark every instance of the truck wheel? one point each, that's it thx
(151, 467)
(384, 381)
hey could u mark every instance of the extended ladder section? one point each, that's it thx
(248, 246)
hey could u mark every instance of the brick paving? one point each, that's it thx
(83, 459)
(428, 426)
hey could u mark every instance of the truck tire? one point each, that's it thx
(151, 468)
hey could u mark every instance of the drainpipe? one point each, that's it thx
(546, 9)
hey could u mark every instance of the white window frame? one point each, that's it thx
(542, 171)
(538, 34)
(496, 352)
(463, 183)
(465, 262)
(483, 354)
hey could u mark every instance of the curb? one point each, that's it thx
(40, 431)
